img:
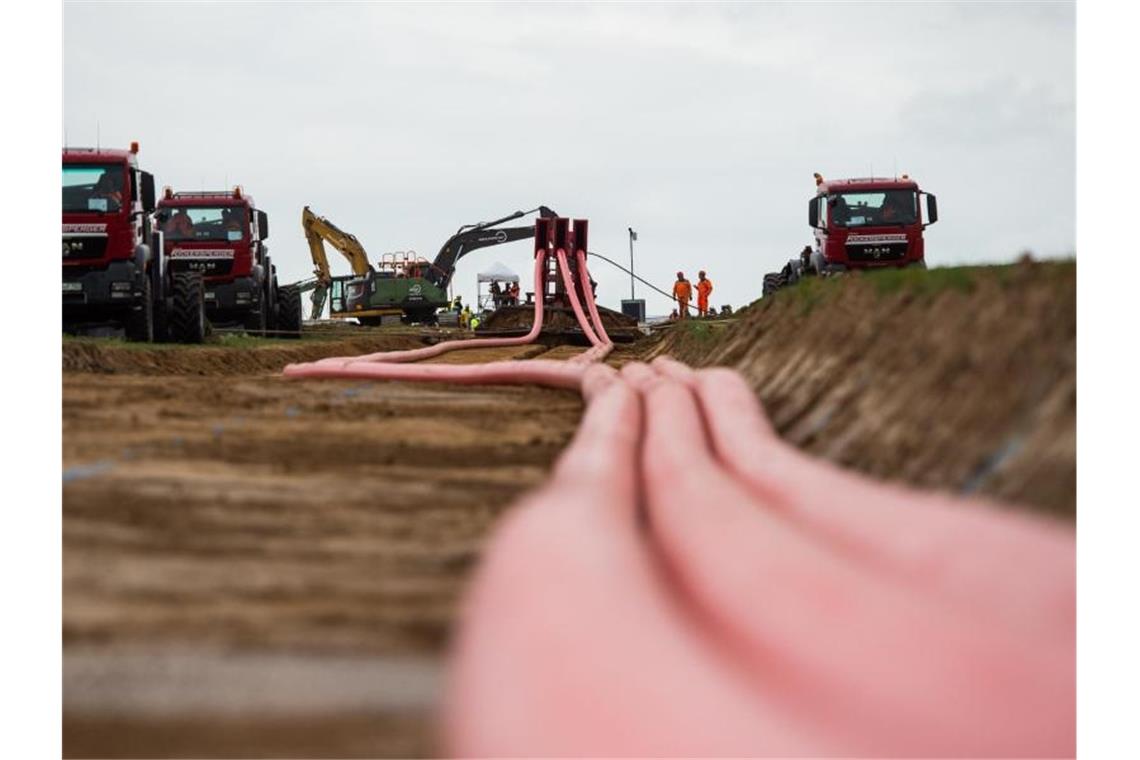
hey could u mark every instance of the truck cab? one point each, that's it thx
(107, 239)
(221, 235)
(868, 223)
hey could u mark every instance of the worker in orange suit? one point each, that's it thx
(682, 294)
(704, 287)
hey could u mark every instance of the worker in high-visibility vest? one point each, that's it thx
(704, 288)
(682, 294)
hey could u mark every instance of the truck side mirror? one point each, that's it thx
(813, 213)
(262, 225)
(146, 191)
(931, 209)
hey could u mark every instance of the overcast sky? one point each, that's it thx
(699, 126)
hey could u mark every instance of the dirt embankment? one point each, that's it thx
(560, 319)
(959, 379)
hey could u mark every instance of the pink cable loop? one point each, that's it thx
(396, 365)
(430, 352)
(588, 291)
(572, 294)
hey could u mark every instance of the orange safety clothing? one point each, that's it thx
(704, 287)
(682, 290)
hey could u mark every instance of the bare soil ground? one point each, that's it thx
(260, 567)
(241, 551)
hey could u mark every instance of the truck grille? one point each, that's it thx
(876, 252)
(212, 267)
(84, 247)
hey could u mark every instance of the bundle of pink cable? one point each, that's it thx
(688, 584)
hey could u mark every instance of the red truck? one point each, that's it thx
(114, 272)
(865, 223)
(220, 235)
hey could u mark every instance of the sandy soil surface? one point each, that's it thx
(262, 567)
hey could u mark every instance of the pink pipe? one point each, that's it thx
(588, 291)
(853, 648)
(763, 604)
(554, 374)
(430, 352)
(842, 658)
(572, 294)
(387, 365)
(569, 643)
(907, 533)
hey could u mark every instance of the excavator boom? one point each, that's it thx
(471, 237)
(318, 229)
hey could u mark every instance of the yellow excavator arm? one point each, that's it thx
(319, 229)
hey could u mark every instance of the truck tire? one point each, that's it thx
(139, 324)
(773, 281)
(256, 321)
(161, 323)
(289, 311)
(272, 305)
(187, 319)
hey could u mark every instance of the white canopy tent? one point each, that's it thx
(497, 272)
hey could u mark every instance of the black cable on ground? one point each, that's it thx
(631, 274)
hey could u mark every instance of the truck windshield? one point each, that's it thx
(92, 187)
(888, 207)
(203, 222)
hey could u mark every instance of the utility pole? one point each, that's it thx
(632, 237)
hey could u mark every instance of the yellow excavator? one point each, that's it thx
(318, 229)
(404, 285)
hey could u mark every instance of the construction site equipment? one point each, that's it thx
(318, 229)
(404, 283)
(220, 236)
(559, 272)
(115, 270)
(867, 223)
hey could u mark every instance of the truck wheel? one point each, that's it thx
(187, 318)
(272, 305)
(161, 324)
(289, 311)
(139, 326)
(773, 281)
(255, 320)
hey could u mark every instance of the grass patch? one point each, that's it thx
(697, 329)
(923, 282)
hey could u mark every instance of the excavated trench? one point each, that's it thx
(955, 379)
